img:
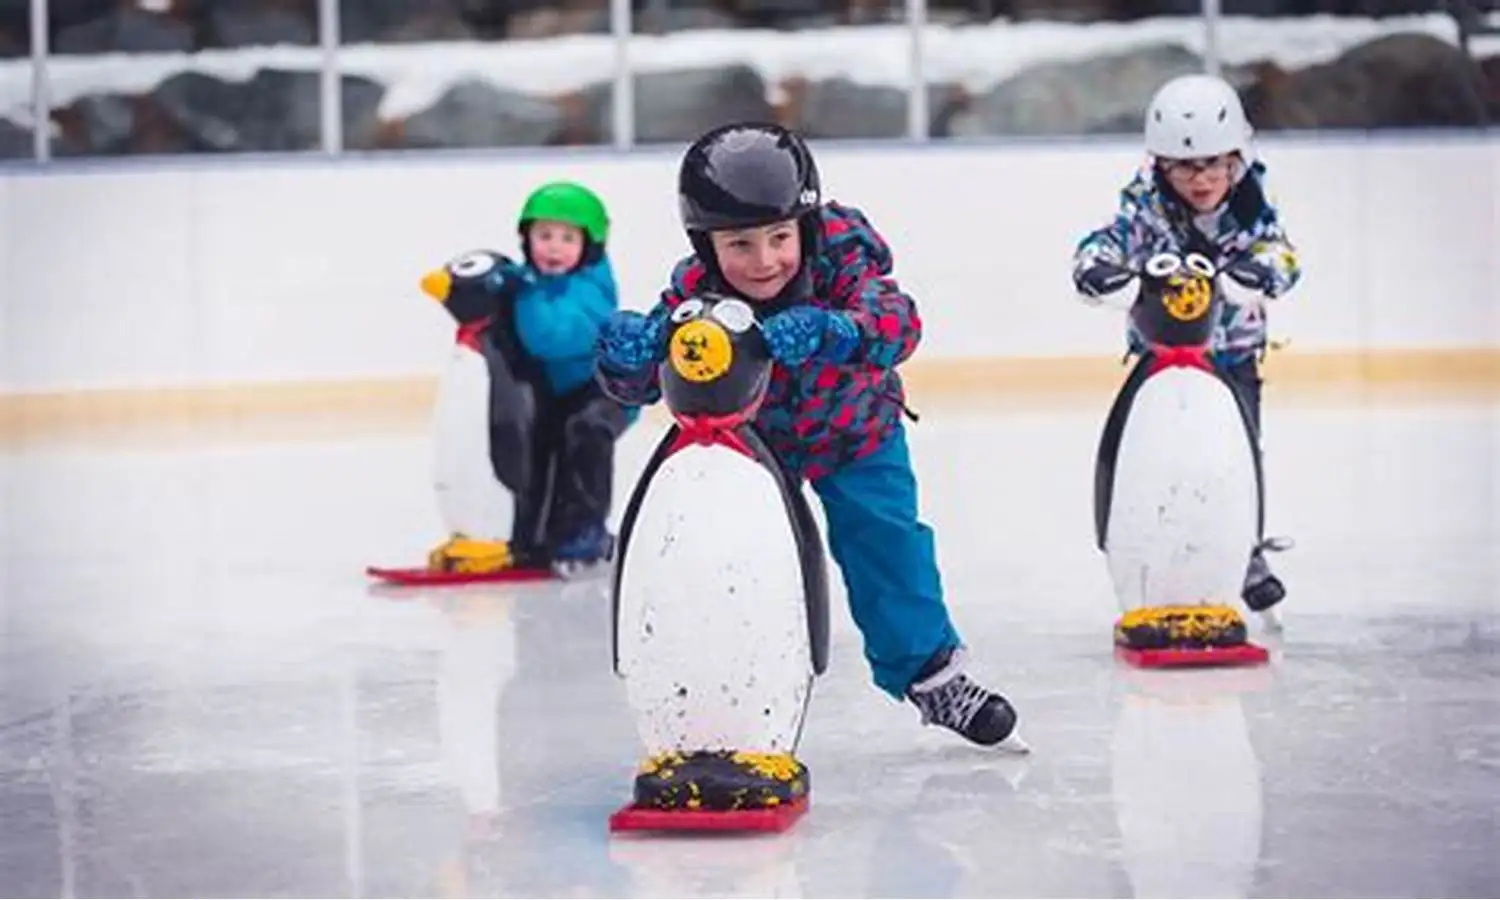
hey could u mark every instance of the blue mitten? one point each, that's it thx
(803, 333)
(630, 343)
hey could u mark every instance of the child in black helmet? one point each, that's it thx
(838, 325)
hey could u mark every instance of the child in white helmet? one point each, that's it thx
(1202, 190)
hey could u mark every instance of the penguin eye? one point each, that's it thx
(736, 315)
(689, 309)
(1163, 264)
(472, 265)
(1200, 265)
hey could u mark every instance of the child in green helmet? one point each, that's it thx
(550, 308)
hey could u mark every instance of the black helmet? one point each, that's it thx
(746, 175)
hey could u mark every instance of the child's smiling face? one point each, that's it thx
(759, 262)
(1203, 183)
(556, 247)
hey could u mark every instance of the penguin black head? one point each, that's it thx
(1178, 302)
(468, 286)
(717, 363)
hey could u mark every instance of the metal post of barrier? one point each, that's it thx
(916, 96)
(621, 24)
(330, 81)
(41, 93)
(1212, 12)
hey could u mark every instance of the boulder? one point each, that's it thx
(840, 108)
(673, 106)
(15, 141)
(276, 110)
(126, 29)
(478, 114)
(1408, 80)
(247, 23)
(1101, 95)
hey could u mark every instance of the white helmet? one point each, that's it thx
(1195, 116)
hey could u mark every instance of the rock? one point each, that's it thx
(662, 19)
(396, 21)
(206, 110)
(126, 30)
(1491, 68)
(477, 114)
(97, 125)
(1398, 81)
(840, 108)
(250, 24)
(283, 110)
(15, 141)
(1102, 95)
(675, 106)
(276, 110)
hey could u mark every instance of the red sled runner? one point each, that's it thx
(1246, 654)
(419, 576)
(774, 819)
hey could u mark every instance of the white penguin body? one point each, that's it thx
(1184, 510)
(712, 621)
(471, 500)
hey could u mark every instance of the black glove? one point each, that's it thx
(1103, 278)
(1251, 273)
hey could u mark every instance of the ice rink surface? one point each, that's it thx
(202, 696)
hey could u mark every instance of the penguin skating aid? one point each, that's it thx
(720, 600)
(482, 425)
(1178, 493)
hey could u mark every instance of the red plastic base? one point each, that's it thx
(1246, 654)
(778, 818)
(423, 576)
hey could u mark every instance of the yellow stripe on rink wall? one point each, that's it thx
(407, 402)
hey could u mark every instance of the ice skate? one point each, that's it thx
(949, 698)
(584, 555)
(1263, 590)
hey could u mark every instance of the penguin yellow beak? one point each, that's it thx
(701, 351)
(437, 284)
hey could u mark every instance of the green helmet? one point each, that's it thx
(566, 201)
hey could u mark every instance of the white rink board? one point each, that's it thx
(187, 273)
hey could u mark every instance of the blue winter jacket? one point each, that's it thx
(558, 319)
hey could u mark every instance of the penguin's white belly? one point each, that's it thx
(471, 500)
(1183, 515)
(712, 620)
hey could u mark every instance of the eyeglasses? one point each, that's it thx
(1214, 164)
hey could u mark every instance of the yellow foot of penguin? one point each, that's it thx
(1166, 627)
(469, 556)
(720, 780)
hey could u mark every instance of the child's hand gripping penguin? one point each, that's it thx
(525, 438)
(836, 324)
(1178, 506)
(1203, 190)
(718, 641)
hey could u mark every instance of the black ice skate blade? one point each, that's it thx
(1246, 654)
(771, 819)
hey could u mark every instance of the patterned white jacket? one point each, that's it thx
(1151, 220)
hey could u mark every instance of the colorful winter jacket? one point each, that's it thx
(558, 318)
(820, 416)
(1150, 221)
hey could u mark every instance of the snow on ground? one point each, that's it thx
(979, 56)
